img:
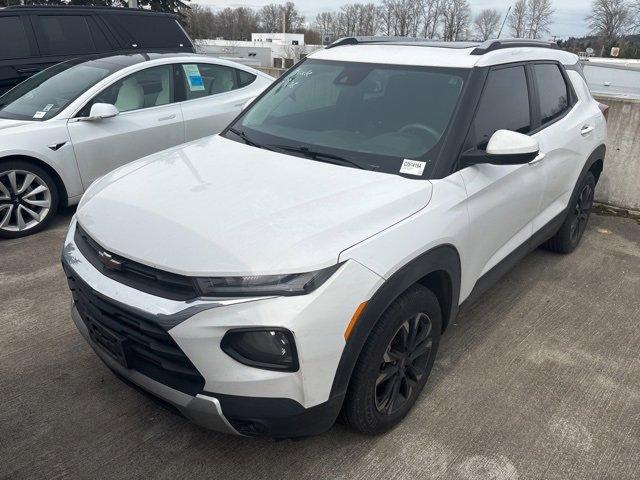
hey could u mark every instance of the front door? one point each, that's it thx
(502, 200)
(149, 121)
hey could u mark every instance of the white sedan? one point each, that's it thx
(73, 122)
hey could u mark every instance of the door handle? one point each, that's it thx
(538, 158)
(168, 117)
(586, 130)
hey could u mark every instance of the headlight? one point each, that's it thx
(264, 285)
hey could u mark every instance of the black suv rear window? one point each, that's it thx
(554, 96)
(148, 31)
(13, 39)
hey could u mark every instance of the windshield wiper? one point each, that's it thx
(324, 157)
(246, 138)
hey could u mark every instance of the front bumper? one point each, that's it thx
(202, 409)
(233, 397)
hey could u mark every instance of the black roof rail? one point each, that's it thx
(358, 40)
(491, 45)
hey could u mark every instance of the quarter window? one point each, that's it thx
(245, 78)
(553, 93)
(504, 105)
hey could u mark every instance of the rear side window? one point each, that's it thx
(65, 34)
(504, 105)
(245, 78)
(204, 79)
(13, 39)
(553, 92)
(148, 31)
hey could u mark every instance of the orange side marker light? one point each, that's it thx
(354, 320)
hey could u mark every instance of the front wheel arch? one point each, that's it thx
(59, 184)
(440, 264)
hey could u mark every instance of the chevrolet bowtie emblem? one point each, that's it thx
(109, 262)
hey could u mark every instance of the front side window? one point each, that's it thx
(504, 105)
(48, 92)
(553, 93)
(144, 89)
(365, 115)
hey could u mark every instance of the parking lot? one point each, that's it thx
(539, 379)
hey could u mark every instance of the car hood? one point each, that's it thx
(219, 207)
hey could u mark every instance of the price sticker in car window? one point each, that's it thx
(194, 79)
(412, 167)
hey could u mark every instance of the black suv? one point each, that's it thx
(33, 38)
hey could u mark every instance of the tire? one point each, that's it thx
(367, 407)
(568, 237)
(25, 209)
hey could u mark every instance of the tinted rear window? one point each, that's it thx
(554, 96)
(65, 34)
(13, 39)
(148, 31)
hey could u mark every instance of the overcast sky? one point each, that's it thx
(569, 19)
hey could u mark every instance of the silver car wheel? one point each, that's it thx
(25, 200)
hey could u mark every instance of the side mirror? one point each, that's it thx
(247, 103)
(504, 148)
(100, 111)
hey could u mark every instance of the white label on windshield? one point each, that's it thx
(194, 79)
(412, 167)
(39, 114)
(48, 107)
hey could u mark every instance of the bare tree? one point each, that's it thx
(293, 19)
(270, 18)
(199, 22)
(610, 19)
(456, 15)
(518, 19)
(487, 23)
(539, 15)
(431, 12)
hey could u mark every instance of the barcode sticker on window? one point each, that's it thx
(412, 167)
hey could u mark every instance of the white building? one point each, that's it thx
(280, 50)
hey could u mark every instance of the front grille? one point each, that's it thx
(136, 275)
(134, 339)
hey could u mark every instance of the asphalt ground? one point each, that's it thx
(540, 378)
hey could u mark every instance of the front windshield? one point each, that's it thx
(45, 94)
(364, 115)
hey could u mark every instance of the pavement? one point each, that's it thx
(538, 379)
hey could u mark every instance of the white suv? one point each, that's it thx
(307, 259)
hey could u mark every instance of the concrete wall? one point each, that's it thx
(620, 181)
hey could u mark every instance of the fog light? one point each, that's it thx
(269, 348)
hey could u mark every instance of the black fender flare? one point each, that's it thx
(442, 259)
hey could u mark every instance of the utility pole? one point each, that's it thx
(504, 21)
(133, 3)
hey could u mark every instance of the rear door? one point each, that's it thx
(213, 96)
(566, 133)
(503, 200)
(149, 121)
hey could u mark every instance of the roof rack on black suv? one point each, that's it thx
(480, 48)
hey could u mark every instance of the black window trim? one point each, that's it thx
(571, 94)
(532, 105)
(172, 95)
